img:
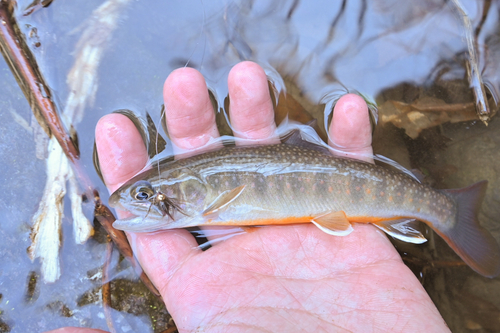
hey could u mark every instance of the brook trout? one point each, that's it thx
(285, 184)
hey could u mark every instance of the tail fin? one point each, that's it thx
(473, 243)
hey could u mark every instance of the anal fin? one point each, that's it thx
(402, 229)
(224, 199)
(334, 223)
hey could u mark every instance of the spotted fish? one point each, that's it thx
(287, 183)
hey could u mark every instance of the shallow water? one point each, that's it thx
(386, 50)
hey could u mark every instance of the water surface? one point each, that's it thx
(389, 51)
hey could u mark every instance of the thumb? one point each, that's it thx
(122, 154)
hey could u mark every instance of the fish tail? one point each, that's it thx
(473, 243)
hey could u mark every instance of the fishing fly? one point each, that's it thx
(143, 192)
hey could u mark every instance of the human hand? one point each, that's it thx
(278, 278)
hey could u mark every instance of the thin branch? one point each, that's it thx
(106, 287)
(25, 69)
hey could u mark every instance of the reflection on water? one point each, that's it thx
(408, 56)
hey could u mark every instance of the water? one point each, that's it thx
(390, 51)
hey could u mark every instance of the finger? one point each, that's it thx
(122, 154)
(121, 150)
(350, 130)
(189, 115)
(350, 134)
(251, 109)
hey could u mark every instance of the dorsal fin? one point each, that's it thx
(418, 174)
(294, 138)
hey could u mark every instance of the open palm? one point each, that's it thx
(277, 278)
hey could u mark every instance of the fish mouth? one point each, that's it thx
(132, 223)
(138, 224)
(127, 223)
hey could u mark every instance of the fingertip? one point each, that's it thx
(185, 84)
(246, 80)
(251, 108)
(189, 115)
(350, 129)
(121, 151)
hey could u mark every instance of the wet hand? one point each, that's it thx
(278, 278)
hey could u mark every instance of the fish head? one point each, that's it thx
(157, 202)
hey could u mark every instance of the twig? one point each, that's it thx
(106, 287)
(23, 65)
(474, 74)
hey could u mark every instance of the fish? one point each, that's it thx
(299, 183)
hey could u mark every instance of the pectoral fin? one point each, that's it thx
(333, 223)
(402, 229)
(223, 200)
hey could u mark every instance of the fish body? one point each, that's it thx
(285, 184)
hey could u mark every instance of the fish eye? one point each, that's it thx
(142, 190)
